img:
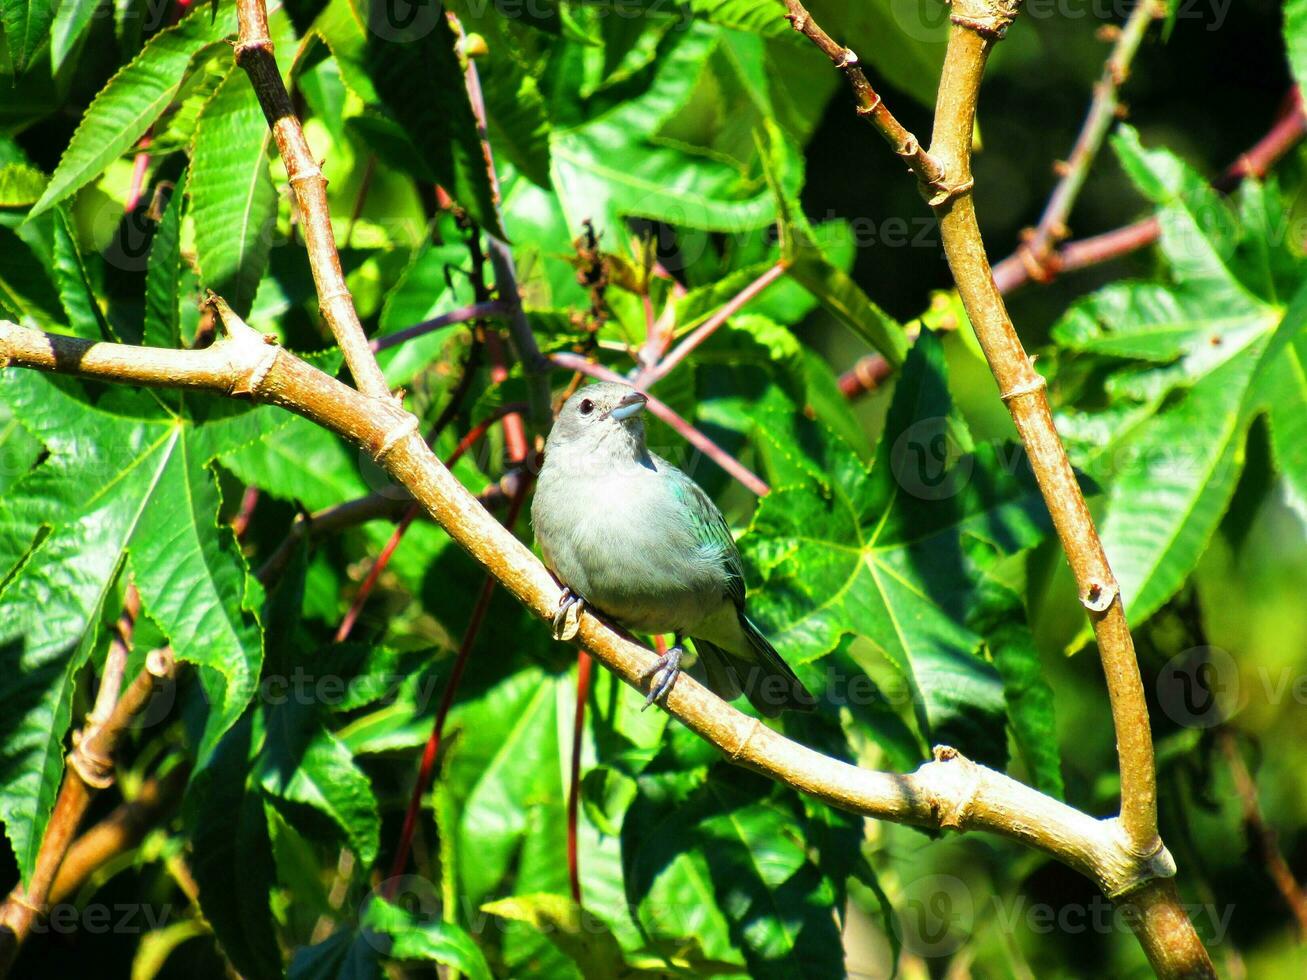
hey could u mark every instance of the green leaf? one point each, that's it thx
(897, 554)
(20, 185)
(420, 55)
(76, 291)
(70, 22)
(233, 201)
(304, 763)
(740, 852)
(26, 24)
(133, 99)
(231, 853)
(411, 937)
(163, 274)
(124, 477)
(652, 156)
(344, 955)
(27, 293)
(1183, 362)
(300, 462)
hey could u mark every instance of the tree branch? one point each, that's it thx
(950, 792)
(869, 105)
(1052, 226)
(89, 769)
(254, 54)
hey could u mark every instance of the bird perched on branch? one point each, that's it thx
(630, 535)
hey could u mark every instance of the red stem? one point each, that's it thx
(583, 666)
(426, 769)
(701, 333)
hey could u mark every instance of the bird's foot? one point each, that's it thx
(663, 673)
(567, 620)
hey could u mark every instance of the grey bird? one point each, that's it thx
(634, 538)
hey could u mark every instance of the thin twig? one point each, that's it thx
(255, 55)
(1277, 868)
(869, 105)
(476, 311)
(89, 769)
(651, 375)
(1052, 226)
(1011, 273)
(575, 362)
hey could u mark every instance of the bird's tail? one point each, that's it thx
(761, 675)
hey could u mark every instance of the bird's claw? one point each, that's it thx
(567, 620)
(663, 673)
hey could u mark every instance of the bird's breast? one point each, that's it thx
(622, 543)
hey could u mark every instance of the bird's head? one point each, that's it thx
(604, 418)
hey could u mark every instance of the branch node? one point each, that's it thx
(939, 192)
(310, 173)
(848, 59)
(872, 106)
(961, 777)
(988, 18)
(754, 725)
(1032, 384)
(249, 384)
(1099, 596)
(327, 298)
(94, 768)
(402, 429)
(161, 662)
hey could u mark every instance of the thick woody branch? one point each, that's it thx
(1022, 390)
(254, 54)
(1164, 930)
(948, 793)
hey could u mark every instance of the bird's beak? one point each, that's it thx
(632, 404)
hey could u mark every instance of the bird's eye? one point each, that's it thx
(587, 406)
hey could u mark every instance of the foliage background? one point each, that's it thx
(294, 803)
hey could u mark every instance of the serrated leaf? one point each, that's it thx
(163, 273)
(1184, 359)
(26, 24)
(740, 851)
(896, 554)
(300, 462)
(133, 99)
(233, 201)
(85, 319)
(124, 479)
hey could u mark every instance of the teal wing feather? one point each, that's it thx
(710, 528)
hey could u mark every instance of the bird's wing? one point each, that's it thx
(710, 528)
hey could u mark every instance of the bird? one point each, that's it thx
(634, 538)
